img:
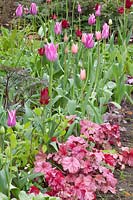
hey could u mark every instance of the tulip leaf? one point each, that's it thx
(71, 106)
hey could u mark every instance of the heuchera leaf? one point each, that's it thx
(71, 164)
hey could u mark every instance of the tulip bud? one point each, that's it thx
(82, 74)
(33, 9)
(105, 31)
(98, 35)
(66, 50)
(11, 118)
(79, 8)
(83, 38)
(65, 37)
(110, 22)
(58, 28)
(74, 48)
(92, 20)
(2, 130)
(19, 11)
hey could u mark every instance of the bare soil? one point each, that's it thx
(125, 178)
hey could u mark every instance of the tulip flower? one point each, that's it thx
(54, 16)
(66, 50)
(92, 20)
(51, 52)
(82, 74)
(26, 11)
(44, 98)
(74, 48)
(33, 9)
(19, 11)
(41, 51)
(110, 22)
(48, 1)
(98, 9)
(83, 38)
(65, 24)
(128, 4)
(78, 33)
(98, 35)
(105, 31)
(121, 10)
(65, 37)
(11, 121)
(89, 41)
(58, 28)
(79, 8)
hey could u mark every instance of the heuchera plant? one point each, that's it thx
(78, 170)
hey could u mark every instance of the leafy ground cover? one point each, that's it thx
(66, 79)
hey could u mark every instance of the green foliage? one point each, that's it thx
(24, 196)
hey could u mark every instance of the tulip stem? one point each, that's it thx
(65, 72)
(73, 12)
(66, 9)
(51, 85)
(98, 67)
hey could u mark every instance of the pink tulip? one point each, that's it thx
(83, 38)
(74, 48)
(58, 28)
(89, 41)
(11, 121)
(65, 37)
(66, 50)
(105, 31)
(79, 8)
(33, 9)
(82, 74)
(98, 35)
(92, 20)
(19, 11)
(51, 52)
(98, 9)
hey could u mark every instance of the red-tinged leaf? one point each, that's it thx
(71, 164)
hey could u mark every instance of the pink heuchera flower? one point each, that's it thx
(51, 52)
(11, 121)
(89, 43)
(33, 189)
(19, 11)
(71, 164)
(103, 135)
(98, 9)
(58, 28)
(33, 9)
(92, 20)
(105, 31)
(80, 172)
(109, 159)
(127, 156)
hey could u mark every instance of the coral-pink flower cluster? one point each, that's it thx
(74, 172)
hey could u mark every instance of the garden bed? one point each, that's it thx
(66, 115)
